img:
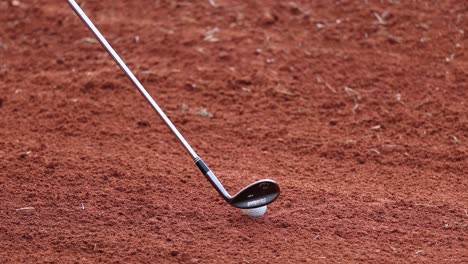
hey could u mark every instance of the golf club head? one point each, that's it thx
(257, 194)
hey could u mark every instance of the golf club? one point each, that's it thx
(257, 194)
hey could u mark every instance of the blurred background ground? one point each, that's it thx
(356, 108)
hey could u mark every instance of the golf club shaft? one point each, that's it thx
(131, 76)
(198, 161)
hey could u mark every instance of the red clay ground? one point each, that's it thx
(357, 108)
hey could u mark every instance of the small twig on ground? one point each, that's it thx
(320, 80)
(330, 87)
(316, 237)
(380, 20)
(390, 37)
(352, 92)
(184, 107)
(356, 96)
(285, 92)
(356, 105)
(209, 35)
(455, 138)
(280, 90)
(89, 40)
(203, 112)
(25, 208)
(418, 251)
(376, 151)
(212, 3)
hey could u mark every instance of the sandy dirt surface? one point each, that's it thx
(358, 109)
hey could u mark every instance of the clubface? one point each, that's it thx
(257, 194)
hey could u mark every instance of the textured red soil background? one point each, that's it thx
(357, 108)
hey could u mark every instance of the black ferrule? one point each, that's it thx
(202, 166)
